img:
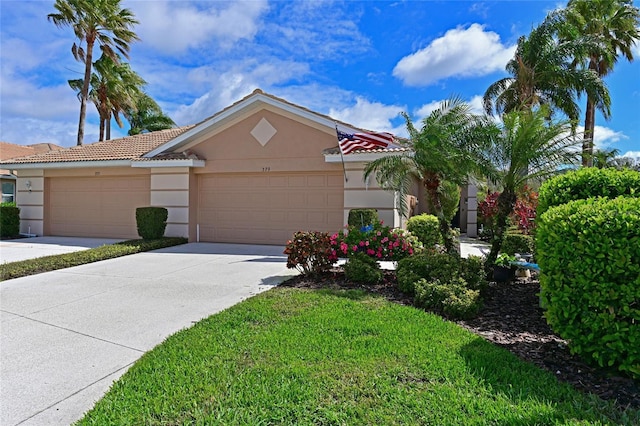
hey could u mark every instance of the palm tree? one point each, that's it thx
(94, 21)
(541, 73)
(527, 147)
(146, 116)
(114, 88)
(443, 150)
(614, 25)
(605, 158)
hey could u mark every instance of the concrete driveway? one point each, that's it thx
(67, 335)
(30, 248)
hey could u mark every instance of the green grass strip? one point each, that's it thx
(38, 265)
(303, 357)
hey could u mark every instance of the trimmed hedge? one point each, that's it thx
(363, 269)
(587, 183)
(24, 268)
(427, 228)
(513, 243)
(309, 252)
(9, 221)
(363, 217)
(441, 267)
(589, 254)
(151, 221)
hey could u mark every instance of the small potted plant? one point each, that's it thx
(503, 269)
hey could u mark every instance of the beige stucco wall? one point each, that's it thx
(170, 189)
(359, 193)
(296, 146)
(31, 202)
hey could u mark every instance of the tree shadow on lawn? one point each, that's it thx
(502, 373)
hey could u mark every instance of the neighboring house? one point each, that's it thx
(11, 150)
(255, 172)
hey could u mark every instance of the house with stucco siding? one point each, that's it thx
(255, 172)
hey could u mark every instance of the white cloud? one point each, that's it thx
(26, 131)
(221, 89)
(459, 53)
(604, 137)
(632, 154)
(369, 115)
(173, 27)
(475, 103)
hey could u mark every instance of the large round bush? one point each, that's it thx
(589, 254)
(587, 183)
(427, 228)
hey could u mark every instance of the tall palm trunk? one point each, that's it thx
(84, 98)
(589, 124)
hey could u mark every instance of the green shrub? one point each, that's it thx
(151, 221)
(443, 268)
(453, 299)
(309, 252)
(589, 255)
(360, 218)
(362, 269)
(513, 243)
(472, 270)
(430, 266)
(9, 221)
(427, 228)
(24, 268)
(588, 183)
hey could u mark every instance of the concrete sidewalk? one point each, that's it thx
(31, 248)
(67, 335)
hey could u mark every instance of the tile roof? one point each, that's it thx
(127, 148)
(11, 150)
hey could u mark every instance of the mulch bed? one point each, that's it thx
(511, 318)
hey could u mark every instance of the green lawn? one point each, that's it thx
(291, 356)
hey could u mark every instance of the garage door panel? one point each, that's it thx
(267, 208)
(96, 206)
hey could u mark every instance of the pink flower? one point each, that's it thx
(362, 244)
(366, 243)
(379, 255)
(384, 240)
(370, 252)
(355, 248)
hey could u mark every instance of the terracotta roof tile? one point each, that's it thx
(12, 150)
(127, 148)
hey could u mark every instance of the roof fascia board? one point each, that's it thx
(259, 97)
(358, 157)
(67, 164)
(167, 163)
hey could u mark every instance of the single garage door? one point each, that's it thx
(96, 206)
(267, 208)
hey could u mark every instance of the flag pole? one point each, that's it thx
(344, 170)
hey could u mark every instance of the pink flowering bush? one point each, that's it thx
(377, 241)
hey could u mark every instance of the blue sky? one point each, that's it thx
(362, 62)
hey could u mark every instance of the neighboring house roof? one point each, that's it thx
(127, 148)
(11, 150)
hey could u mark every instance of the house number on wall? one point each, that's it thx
(266, 169)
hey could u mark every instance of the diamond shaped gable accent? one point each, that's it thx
(263, 132)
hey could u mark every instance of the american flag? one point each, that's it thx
(350, 142)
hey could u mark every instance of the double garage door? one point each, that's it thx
(96, 206)
(267, 208)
